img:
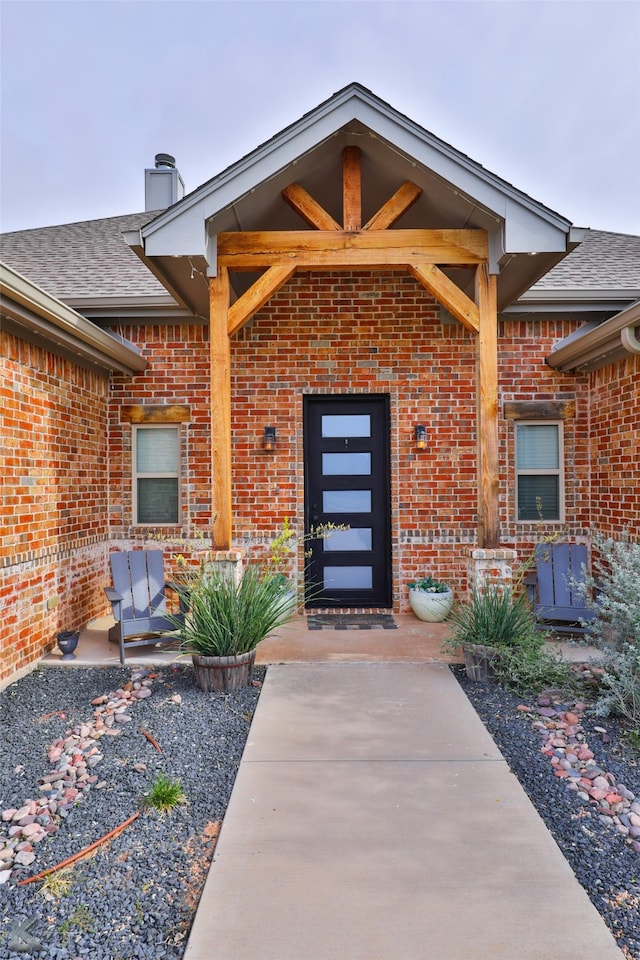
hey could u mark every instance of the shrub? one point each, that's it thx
(613, 590)
(494, 617)
(504, 620)
(165, 793)
(530, 668)
(227, 618)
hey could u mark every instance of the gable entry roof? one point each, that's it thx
(526, 239)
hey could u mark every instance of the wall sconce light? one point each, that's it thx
(269, 438)
(420, 436)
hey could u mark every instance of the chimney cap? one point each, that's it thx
(165, 160)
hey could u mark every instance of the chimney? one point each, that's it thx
(163, 184)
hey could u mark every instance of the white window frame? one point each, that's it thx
(545, 472)
(136, 475)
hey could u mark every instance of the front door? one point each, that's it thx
(346, 455)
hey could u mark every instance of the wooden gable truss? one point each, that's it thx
(331, 246)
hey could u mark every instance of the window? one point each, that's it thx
(156, 461)
(539, 474)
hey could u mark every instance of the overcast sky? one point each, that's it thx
(544, 94)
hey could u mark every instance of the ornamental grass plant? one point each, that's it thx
(503, 620)
(494, 617)
(227, 618)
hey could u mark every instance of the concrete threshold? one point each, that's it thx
(374, 818)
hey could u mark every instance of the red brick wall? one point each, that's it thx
(177, 373)
(53, 511)
(356, 332)
(331, 333)
(615, 447)
(523, 375)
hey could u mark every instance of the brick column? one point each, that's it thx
(228, 562)
(490, 568)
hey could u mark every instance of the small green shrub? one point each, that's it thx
(614, 593)
(429, 585)
(165, 794)
(530, 668)
(504, 620)
(495, 617)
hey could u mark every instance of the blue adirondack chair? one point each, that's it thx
(139, 600)
(557, 603)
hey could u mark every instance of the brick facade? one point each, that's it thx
(350, 333)
(54, 504)
(67, 450)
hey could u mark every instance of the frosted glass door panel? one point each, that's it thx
(348, 578)
(346, 464)
(346, 501)
(356, 538)
(357, 425)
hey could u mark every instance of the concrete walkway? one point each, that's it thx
(373, 818)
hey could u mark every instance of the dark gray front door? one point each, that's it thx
(346, 450)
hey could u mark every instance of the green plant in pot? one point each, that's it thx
(496, 630)
(227, 619)
(431, 600)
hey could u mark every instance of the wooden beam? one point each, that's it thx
(447, 293)
(487, 379)
(539, 409)
(351, 189)
(256, 296)
(308, 208)
(155, 413)
(404, 197)
(334, 249)
(220, 410)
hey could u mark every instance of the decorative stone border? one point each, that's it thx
(71, 777)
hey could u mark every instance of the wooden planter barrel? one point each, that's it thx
(223, 674)
(478, 660)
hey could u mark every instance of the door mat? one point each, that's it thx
(351, 621)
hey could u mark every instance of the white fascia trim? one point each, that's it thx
(496, 196)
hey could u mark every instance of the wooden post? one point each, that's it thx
(351, 189)
(487, 408)
(220, 352)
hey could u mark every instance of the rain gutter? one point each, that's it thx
(596, 346)
(25, 306)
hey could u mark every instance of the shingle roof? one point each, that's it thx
(603, 261)
(91, 259)
(82, 260)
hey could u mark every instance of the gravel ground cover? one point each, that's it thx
(136, 895)
(602, 859)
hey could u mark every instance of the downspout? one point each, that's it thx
(629, 340)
